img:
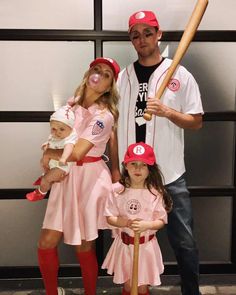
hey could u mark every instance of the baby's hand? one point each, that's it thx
(44, 147)
(62, 162)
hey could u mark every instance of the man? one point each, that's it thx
(179, 108)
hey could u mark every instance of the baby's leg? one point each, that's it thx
(53, 175)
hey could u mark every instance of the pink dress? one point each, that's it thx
(135, 203)
(76, 205)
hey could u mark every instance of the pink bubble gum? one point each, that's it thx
(94, 79)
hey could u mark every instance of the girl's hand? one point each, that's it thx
(139, 225)
(129, 222)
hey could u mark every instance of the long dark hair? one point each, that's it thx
(153, 181)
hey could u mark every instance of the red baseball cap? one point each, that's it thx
(143, 17)
(108, 61)
(140, 152)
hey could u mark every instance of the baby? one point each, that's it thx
(63, 136)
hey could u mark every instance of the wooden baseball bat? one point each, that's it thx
(185, 41)
(134, 282)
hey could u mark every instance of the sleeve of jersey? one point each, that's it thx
(159, 211)
(99, 129)
(111, 208)
(191, 97)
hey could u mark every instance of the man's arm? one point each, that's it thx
(185, 121)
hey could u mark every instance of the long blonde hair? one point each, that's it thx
(109, 99)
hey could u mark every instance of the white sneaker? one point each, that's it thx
(60, 291)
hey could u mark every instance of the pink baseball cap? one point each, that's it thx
(143, 17)
(140, 152)
(108, 61)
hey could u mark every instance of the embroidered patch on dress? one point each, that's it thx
(97, 127)
(174, 85)
(133, 207)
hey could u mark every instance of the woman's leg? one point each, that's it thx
(87, 259)
(48, 259)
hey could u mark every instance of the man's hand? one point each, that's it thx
(156, 107)
(182, 120)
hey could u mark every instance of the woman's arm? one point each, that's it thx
(113, 155)
(81, 148)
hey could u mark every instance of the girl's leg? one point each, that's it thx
(48, 259)
(143, 290)
(126, 288)
(87, 259)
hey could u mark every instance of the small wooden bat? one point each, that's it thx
(185, 41)
(134, 282)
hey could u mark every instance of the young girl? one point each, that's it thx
(76, 204)
(139, 204)
(63, 136)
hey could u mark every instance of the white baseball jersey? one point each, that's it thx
(167, 139)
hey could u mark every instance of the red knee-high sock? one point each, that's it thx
(49, 265)
(89, 268)
(124, 292)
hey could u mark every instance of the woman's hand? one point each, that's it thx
(45, 162)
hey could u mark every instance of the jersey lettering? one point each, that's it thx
(139, 112)
(142, 95)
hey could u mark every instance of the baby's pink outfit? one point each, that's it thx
(135, 203)
(76, 205)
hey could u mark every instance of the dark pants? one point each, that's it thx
(180, 234)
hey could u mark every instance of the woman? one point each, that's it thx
(76, 204)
